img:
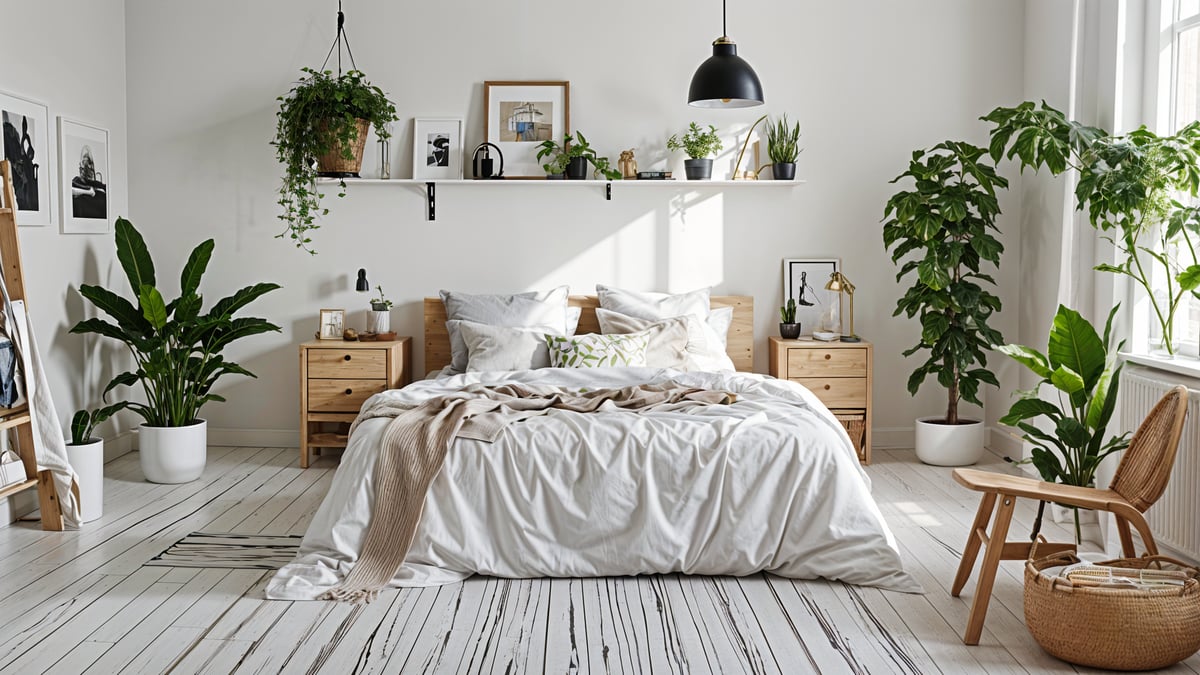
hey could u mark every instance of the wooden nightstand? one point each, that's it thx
(336, 377)
(839, 373)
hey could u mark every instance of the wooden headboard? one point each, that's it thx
(739, 346)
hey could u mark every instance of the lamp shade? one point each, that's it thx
(725, 80)
(361, 284)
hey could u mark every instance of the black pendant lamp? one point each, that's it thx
(725, 80)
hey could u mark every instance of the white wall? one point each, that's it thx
(870, 81)
(70, 56)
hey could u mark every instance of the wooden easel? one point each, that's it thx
(18, 418)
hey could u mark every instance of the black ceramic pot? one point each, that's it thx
(783, 171)
(789, 331)
(577, 169)
(555, 176)
(698, 169)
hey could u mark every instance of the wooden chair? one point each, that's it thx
(1139, 482)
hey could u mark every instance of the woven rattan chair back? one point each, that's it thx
(1146, 466)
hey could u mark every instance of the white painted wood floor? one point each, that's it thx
(81, 601)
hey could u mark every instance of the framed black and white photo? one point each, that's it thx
(83, 160)
(804, 281)
(437, 148)
(332, 324)
(519, 116)
(25, 127)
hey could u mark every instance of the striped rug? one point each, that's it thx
(230, 550)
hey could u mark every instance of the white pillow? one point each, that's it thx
(654, 305)
(573, 314)
(669, 338)
(598, 351)
(718, 321)
(545, 310)
(704, 351)
(503, 348)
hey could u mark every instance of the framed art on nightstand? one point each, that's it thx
(437, 149)
(25, 127)
(520, 115)
(333, 322)
(83, 161)
(804, 281)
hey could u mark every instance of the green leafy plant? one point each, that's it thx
(783, 141)
(381, 303)
(572, 147)
(1129, 185)
(946, 220)
(84, 422)
(696, 142)
(319, 113)
(176, 349)
(1083, 368)
(787, 313)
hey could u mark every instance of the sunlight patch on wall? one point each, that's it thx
(696, 242)
(627, 258)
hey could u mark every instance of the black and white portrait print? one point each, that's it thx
(437, 149)
(19, 150)
(89, 193)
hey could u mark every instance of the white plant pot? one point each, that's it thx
(88, 461)
(173, 454)
(379, 321)
(949, 444)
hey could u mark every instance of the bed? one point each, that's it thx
(770, 483)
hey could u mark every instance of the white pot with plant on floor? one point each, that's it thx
(177, 351)
(940, 233)
(85, 452)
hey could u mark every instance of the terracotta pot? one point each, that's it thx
(334, 164)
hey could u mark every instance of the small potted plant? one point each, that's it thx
(783, 147)
(381, 316)
(700, 145)
(788, 328)
(572, 158)
(324, 118)
(85, 453)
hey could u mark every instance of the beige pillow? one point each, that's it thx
(668, 339)
(703, 351)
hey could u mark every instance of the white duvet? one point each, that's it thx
(769, 483)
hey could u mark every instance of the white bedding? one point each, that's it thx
(768, 483)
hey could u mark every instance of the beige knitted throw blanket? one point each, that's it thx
(415, 443)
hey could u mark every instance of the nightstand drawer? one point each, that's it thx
(341, 395)
(837, 392)
(351, 364)
(834, 362)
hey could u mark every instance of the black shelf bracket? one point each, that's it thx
(608, 191)
(431, 198)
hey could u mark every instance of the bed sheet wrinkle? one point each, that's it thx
(769, 483)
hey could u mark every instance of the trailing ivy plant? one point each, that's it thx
(572, 147)
(321, 111)
(1130, 185)
(942, 230)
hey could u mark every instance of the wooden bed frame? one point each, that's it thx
(740, 344)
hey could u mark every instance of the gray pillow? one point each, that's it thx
(503, 348)
(544, 310)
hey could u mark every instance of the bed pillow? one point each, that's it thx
(598, 351)
(503, 347)
(654, 305)
(668, 339)
(703, 351)
(543, 310)
(573, 314)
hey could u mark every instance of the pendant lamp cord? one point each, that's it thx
(339, 39)
(724, 30)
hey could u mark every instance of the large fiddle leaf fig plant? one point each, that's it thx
(176, 349)
(1130, 186)
(942, 230)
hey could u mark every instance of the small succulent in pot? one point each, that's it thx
(783, 148)
(380, 304)
(788, 328)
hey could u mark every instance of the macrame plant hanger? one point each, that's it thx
(338, 40)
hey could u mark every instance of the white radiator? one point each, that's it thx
(1175, 518)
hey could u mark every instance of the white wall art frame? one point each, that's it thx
(437, 149)
(804, 281)
(84, 160)
(25, 141)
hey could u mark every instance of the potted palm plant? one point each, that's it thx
(176, 350)
(320, 130)
(700, 145)
(783, 148)
(941, 229)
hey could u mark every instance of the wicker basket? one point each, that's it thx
(335, 164)
(855, 422)
(1113, 628)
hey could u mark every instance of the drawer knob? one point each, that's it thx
(827, 357)
(826, 389)
(351, 391)
(346, 357)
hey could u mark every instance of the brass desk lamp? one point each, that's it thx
(838, 283)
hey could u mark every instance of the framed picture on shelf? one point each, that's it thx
(83, 161)
(519, 116)
(26, 132)
(333, 322)
(804, 281)
(437, 148)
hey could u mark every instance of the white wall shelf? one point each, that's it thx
(431, 185)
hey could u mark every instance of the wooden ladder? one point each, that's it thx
(17, 419)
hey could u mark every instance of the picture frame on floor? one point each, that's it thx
(84, 180)
(25, 141)
(520, 115)
(804, 281)
(437, 148)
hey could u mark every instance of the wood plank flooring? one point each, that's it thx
(83, 601)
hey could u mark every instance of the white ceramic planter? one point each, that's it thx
(949, 445)
(88, 461)
(379, 321)
(173, 454)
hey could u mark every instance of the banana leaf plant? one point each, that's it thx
(176, 349)
(1083, 368)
